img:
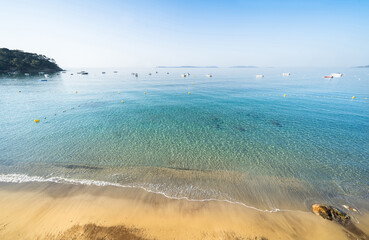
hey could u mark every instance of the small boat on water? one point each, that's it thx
(115, 71)
(43, 80)
(26, 74)
(259, 76)
(82, 72)
(328, 76)
(209, 75)
(286, 74)
(136, 75)
(184, 75)
(103, 72)
(46, 75)
(336, 75)
(149, 74)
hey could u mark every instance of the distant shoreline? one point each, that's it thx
(18, 61)
(187, 67)
(241, 66)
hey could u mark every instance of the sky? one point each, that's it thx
(147, 33)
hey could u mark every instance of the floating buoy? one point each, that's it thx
(76, 92)
(189, 92)
(284, 95)
(37, 120)
(118, 92)
(122, 101)
(192, 83)
(144, 92)
(19, 91)
(353, 97)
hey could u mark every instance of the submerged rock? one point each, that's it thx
(331, 213)
(275, 123)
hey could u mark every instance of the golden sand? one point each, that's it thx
(60, 211)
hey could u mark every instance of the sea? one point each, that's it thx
(276, 143)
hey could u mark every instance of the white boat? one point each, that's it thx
(209, 75)
(259, 75)
(184, 75)
(26, 74)
(46, 75)
(336, 75)
(286, 74)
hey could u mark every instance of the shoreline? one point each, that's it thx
(44, 210)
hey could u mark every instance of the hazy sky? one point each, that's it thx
(150, 33)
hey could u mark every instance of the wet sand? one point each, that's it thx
(66, 211)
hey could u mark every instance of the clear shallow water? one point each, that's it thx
(233, 138)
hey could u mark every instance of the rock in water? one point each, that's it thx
(331, 213)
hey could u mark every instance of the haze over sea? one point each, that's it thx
(231, 137)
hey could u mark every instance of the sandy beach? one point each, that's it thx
(67, 211)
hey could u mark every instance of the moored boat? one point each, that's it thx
(336, 75)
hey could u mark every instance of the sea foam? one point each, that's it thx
(22, 178)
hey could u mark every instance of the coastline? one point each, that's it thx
(42, 210)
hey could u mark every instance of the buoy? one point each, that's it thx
(37, 120)
(284, 95)
(75, 91)
(122, 101)
(144, 92)
(353, 97)
(189, 92)
(118, 92)
(19, 91)
(192, 83)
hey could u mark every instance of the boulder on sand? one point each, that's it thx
(331, 213)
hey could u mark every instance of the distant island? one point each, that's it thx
(243, 67)
(187, 67)
(367, 66)
(24, 62)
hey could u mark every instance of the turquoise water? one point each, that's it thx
(234, 137)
